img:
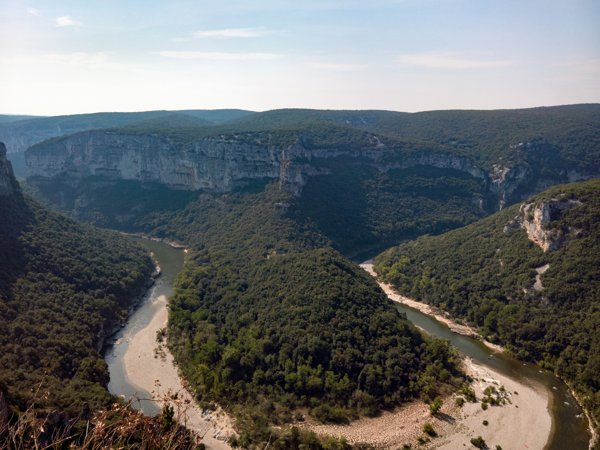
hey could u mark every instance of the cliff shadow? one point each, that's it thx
(124, 205)
(16, 217)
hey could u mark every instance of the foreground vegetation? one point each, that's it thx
(485, 273)
(117, 426)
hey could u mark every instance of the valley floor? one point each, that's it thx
(524, 422)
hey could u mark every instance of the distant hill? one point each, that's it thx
(217, 116)
(171, 120)
(528, 277)
(7, 118)
(296, 118)
(20, 135)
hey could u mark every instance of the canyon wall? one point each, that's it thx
(7, 179)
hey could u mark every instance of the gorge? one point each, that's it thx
(271, 204)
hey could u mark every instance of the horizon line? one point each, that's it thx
(133, 111)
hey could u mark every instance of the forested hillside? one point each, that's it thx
(63, 287)
(269, 321)
(360, 208)
(543, 305)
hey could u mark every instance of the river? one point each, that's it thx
(170, 260)
(569, 424)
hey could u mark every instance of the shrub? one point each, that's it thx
(428, 429)
(328, 414)
(469, 394)
(478, 442)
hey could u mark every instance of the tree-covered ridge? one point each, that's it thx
(486, 273)
(266, 319)
(310, 134)
(561, 134)
(63, 287)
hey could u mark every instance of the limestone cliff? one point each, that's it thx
(8, 185)
(212, 164)
(536, 218)
(217, 164)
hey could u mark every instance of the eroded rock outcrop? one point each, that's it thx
(536, 218)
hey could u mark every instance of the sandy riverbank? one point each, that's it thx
(159, 375)
(465, 330)
(523, 422)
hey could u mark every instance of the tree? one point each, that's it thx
(478, 442)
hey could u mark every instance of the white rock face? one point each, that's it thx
(217, 164)
(7, 180)
(206, 164)
(534, 219)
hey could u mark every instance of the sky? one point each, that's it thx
(68, 56)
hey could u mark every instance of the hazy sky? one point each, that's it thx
(67, 56)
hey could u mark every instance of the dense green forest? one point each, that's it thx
(125, 205)
(272, 323)
(486, 272)
(63, 287)
(359, 207)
